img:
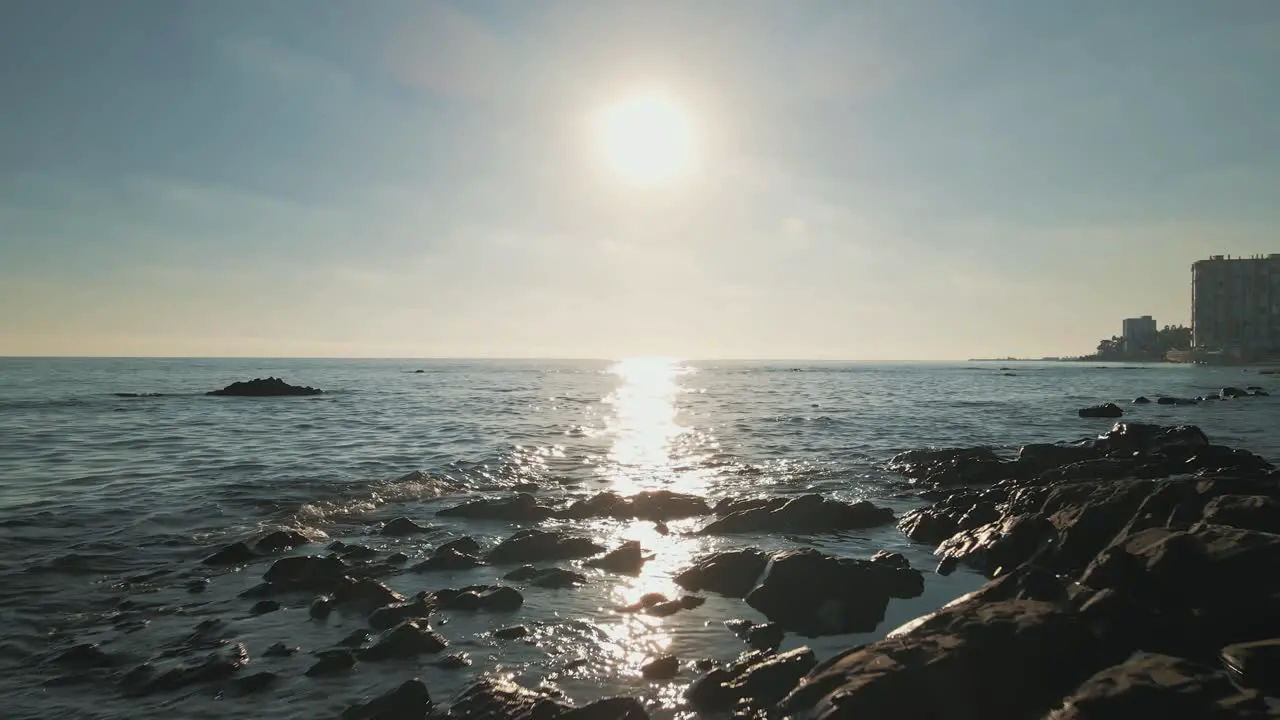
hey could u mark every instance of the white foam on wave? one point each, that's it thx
(415, 486)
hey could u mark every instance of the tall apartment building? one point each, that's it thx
(1235, 304)
(1139, 334)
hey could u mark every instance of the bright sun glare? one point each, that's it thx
(647, 138)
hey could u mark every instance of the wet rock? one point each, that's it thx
(447, 559)
(357, 552)
(354, 639)
(952, 466)
(85, 655)
(237, 553)
(401, 527)
(501, 599)
(756, 681)
(647, 600)
(661, 668)
(1040, 456)
(990, 657)
(514, 632)
(466, 545)
(627, 559)
(654, 505)
(1109, 410)
(454, 661)
(397, 558)
(805, 514)
(391, 615)
(268, 387)
(321, 607)
(811, 593)
(895, 560)
(1141, 400)
(496, 699)
(408, 639)
(409, 701)
(220, 665)
(281, 540)
(1132, 437)
(1232, 392)
(1260, 393)
(280, 650)
(1001, 544)
(732, 573)
(1255, 665)
(553, 578)
(492, 598)
(319, 573)
(615, 708)
(521, 507)
(759, 636)
(254, 683)
(365, 593)
(332, 662)
(1250, 512)
(262, 607)
(929, 525)
(1175, 401)
(1159, 686)
(533, 545)
(671, 607)
(946, 566)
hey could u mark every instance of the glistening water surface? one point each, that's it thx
(108, 503)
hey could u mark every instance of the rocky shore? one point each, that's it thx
(1132, 575)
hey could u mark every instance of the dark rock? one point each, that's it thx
(667, 608)
(332, 662)
(234, 554)
(1175, 401)
(1141, 400)
(355, 639)
(497, 699)
(1042, 456)
(1001, 544)
(553, 578)
(647, 600)
(408, 639)
(1109, 410)
(1249, 512)
(281, 540)
(946, 566)
(365, 593)
(447, 559)
(1260, 393)
(321, 607)
(952, 466)
(614, 708)
(501, 599)
(269, 387)
(760, 636)
(978, 652)
(220, 665)
(654, 505)
(522, 507)
(732, 573)
(402, 526)
(466, 545)
(198, 585)
(758, 680)
(1255, 665)
(811, 593)
(391, 615)
(1159, 686)
(256, 682)
(262, 607)
(86, 655)
(661, 668)
(493, 598)
(805, 514)
(307, 572)
(1232, 392)
(454, 661)
(533, 545)
(515, 632)
(897, 561)
(397, 558)
(929, 525)
(409, 701)
(627, 559)
(1131, 437)
(280, 650)
(357, 552)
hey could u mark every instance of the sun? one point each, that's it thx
(647, 138)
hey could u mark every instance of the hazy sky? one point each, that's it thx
(871, 180)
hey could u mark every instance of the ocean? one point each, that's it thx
(117, 476)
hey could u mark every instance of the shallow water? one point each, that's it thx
(108, 503)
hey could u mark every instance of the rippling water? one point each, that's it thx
(107, 503)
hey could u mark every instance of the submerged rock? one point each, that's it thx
(393, 614)
(1109, 410)
(811, 593)
(654, 505)
(492, 598)
(805, 514)
(409, 700)
(237, 553)
(402, 526)
(732, 573)
(332, 662)
(627, 559)
(521, 507)
(280, 540)
(268, 387)
(553, 578)
(533, 545)
(661, 668)
(219, 665)
(408, 639)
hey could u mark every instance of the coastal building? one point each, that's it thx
(1139, 335)
(1235, 305)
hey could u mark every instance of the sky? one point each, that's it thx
(874, 180)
